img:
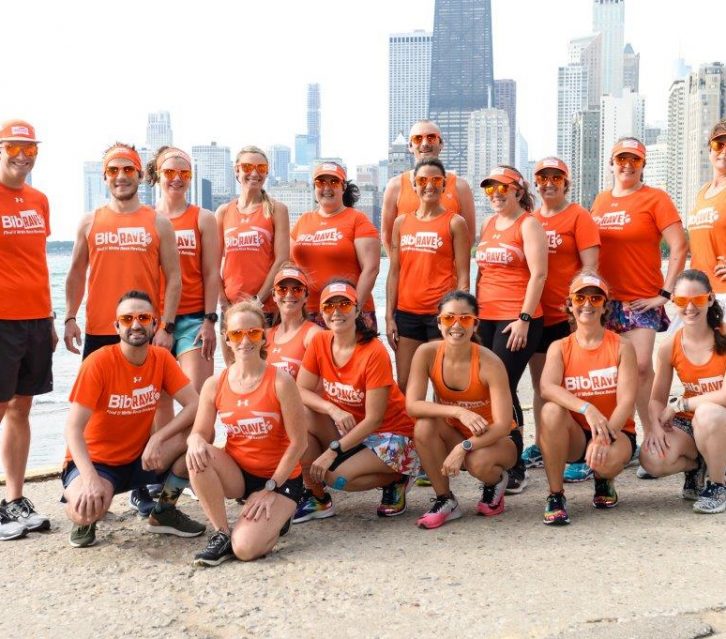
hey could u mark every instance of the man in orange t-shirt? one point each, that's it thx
(27, 335)
(111, 448)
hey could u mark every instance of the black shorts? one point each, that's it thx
(26, 353)
(552, 334)
(92, 343)
(516, 436)
(588, 438)
(123, 478)
(422, 328)
(292, 488)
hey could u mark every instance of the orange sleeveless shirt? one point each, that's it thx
(428, 271)
(475, 397)
(707, 234)
(288, 356)
(697, 379)
(592, 375)
(408, 201)
(256, 436)
(123, 254)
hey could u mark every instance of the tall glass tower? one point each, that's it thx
(314, 117)
(462, 72)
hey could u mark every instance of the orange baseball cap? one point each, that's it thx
(629, 145)
(290, 273)
(330, 168)
(503, 175)
(583, 280)
(17, 131)
(338, 289)
(122, 152)
(552, 163)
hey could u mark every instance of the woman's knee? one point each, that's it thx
(425, 430)
(709, 419)
(246, 549)
(552, 417)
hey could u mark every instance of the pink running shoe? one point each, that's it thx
(492, 497)
(445, 508)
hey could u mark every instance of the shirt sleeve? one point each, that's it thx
(296, 229)
(364, 227)
(89, 387)
(310, 359)
(379, 372)
(665, 212)
(587, 233)
(174, 377)
(46, 215)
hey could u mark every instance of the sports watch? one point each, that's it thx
(169, 327)
(467, 445)
(212, 317)
(335, 446)
(270, 485)
(525, 317)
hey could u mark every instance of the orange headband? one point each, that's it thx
(123, 153)
(172, 152)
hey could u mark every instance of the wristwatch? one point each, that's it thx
(212, 317)
(169, 327)
(467, 445)
(663, 293)
(270, 485)
(335, 447)
(525, 317)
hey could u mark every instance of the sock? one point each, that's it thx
(173, 487)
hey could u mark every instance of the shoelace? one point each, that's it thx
(217, 540)
(22, 508)
(439, 503)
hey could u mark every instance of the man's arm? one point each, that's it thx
(76, 285)
(169, 259)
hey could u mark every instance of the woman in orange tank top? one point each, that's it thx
(263, 414)
(688, 434)
(470, 424)
(429, 257)
(291, 331)
(588, 385)
(254, 237)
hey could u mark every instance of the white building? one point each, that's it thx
(676, 182)
(95, 193)
(299, 197)
(656, 168)
(619, 117)
(214, 163)
(158, 130)
(608, 18)
(366, 175)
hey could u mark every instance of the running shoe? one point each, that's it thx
(140, 500)
(635, 457)
(311, 507)
(712, 500)
(492, 497)
(695, 481)
(532, 457)
(423, 480)
(605, 494)
(218, 550)
(575, 473)
(189, 492)
(167, 519)
(23, 511)
(9, 528)
(286, 528)
(517, 479)
(154, 490)
(641, 473)
(393, 501)
(82, 536)
(445, 508)
(555, 513)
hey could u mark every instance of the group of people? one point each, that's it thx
(308, 398)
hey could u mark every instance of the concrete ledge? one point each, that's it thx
(39, 474)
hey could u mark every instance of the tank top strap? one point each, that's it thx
(474, 380)
(677, 348)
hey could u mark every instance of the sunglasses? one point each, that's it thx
(255, 335)
(142, 318)
(29, 150)
(295, 291)
(182, 174)
(344, 306)
(596, 299)
(716, 145)
(322, 182)
(556, 179)
(113, 171)
(247, 167)
(624, 160)
(431, 138)
(681, 301)
(466, 320)
(436, 181)
(502, 189)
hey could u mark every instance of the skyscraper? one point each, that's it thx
(158, 130)
(677, 144)
(279, 156)
(631, 68)
(304, 150)
(462, 78)
(94, 186)
(608, 18)
(399, 158)
(409, 72)
(505, 98)
(146, 192)
(314, 118)
(214, 163)
(619, 117)
(585, 167)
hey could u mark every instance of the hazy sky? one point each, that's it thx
(87, 73)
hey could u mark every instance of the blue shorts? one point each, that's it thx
(185, 332)
(622, 319)
(123, 478)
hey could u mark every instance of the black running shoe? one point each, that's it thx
(218, 550)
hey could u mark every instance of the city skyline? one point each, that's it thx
(355, 109)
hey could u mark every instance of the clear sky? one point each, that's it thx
(87, 73)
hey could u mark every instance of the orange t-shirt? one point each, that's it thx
(345, 386)
(568, 232)
(697, 379)
(248, 245)
(630, 232)
(707, 234)
(25, 284)
(288, 356)
(428, 269)
(324, 247)
(504, 273)
(256, 435)
(592, 375)
(123, 398)
(189, 245)
(123, 253)
(475, 397)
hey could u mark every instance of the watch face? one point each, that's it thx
(270, 485)
(335, 445)
(466, 444)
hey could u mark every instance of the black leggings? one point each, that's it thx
(490, 333)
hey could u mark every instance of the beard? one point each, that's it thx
(127, 196)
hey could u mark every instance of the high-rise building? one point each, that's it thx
(409, 72)
(158, 130)
(619, 117)
(299, 197)
(587, 52)
(585, 166)
(505, 98)
(366, 175)
(631, 68)
(676, 181)
(652, 133)
(608, 19)
(94, 186)
(382, 175)
(304, 150)
(214, 163)
(462, 78)
(147, 193)
(279, 156)
(399, 158)
(521, 151)
(370, 204)
(314, 118)
(655, 172)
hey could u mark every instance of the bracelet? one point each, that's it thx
(68, 319)
(583, 409)
(663, 293)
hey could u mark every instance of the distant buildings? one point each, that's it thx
(676, 142)
(94, 186)
(505, 98)
(279, 156)
(631, 69)
(608, 19)
(619, 117)
(214, 163)
(313, 119)
(158, 130)
(399, 157)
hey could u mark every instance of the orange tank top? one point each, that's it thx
(256, 436)
(426, 254)
(189, 245)
(408, 200)
(503, 270)
(475, 397)
(288, 356)
(248, 251)
(123, 254)
(697, 379)
(707, 234)
(592, 375)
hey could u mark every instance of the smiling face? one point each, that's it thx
(551, 184)
(627, 170)
(171, 176)
(329, 192)
(696, 310)
(124, 185)
(253, 181)
(430, 143)
(429, 184)
(246, 347)
(503, 203)
(339, 314)
(132, 323)
(587, 311)
(14, 167)
(717, 155)
(290, 296)
(457, 322)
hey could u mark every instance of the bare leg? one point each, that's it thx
(643, 340)
(16, 443)
(434, 440)
(254, 538)
(561, 439)
(72, 494)
(709, 430)
(404, 354)
(487, 464)
(222, 478)
(536, 365)
(680, 455)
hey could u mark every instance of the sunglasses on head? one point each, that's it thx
(502, 189)
(436, 181)
(29, 150)
(332, 181)
(431, 138)
(717, 145)
(681, 301)
(344, 306)
(295, 291)
(556, 179)
(253, 334)
(596, 299)
(466, 320)
(128, 319)
(182, 174)
(113, 171)
(633, 160)
(248, 167)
